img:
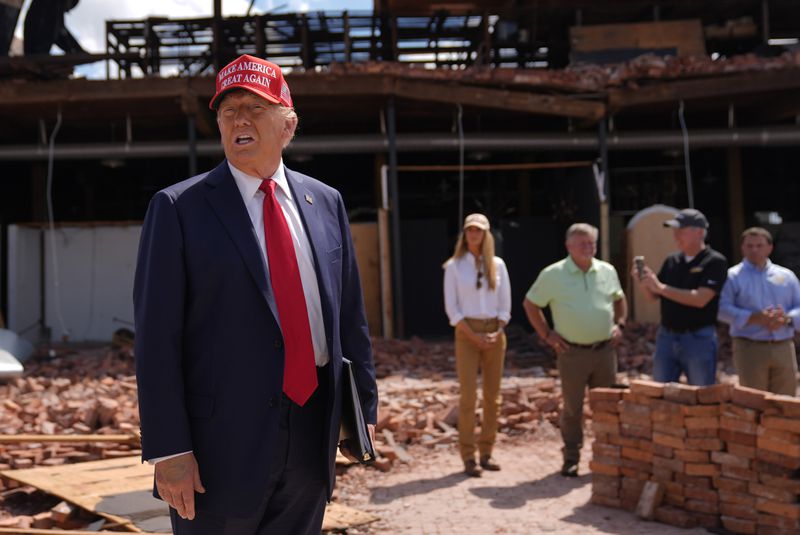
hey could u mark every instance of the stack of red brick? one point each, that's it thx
(714, 456)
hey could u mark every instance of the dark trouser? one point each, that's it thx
(579, 368)
(297, 488)
(691, 352)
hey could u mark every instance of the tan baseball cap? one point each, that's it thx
(476, 220)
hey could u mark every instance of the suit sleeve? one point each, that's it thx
(354, 332)
(158, 300)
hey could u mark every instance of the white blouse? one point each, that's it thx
(462, 297)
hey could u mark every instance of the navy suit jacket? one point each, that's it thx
(209, 351)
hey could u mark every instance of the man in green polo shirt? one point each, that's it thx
(589, 311)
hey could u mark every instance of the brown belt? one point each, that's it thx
(596, 345)
(488, 324)
(761, 341)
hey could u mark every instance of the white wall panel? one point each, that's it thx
(90, 286)
(24, 280)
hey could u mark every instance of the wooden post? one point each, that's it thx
(387, 312)
(261, 44)
(348, 45)
(735, 201)
(216, 45)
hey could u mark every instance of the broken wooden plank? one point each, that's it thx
(401, 453)
(341, 517)
(19, 439)
(35, 531)
(120, 490)
(90, 484)
(733, 85)
(520, 101)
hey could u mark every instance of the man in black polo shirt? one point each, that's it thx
(688, 286)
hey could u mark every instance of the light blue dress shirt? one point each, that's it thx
(749, 289)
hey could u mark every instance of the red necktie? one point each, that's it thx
(299, 373)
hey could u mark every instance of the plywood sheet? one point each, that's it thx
(120, 490)
(686, 36)
(117, 489)
(365, 241)
(648, 237)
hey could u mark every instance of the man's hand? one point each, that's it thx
(760, 317)
(616, 335)
(776, 318)
(348, 453)
(555, 341)
(651, 283)
(177, 479)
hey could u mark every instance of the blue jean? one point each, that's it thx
(693, 353)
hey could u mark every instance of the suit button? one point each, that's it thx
(273, 402)
(277, 344)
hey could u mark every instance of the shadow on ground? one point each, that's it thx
(382, 495)
(551, 486)
(608, 521)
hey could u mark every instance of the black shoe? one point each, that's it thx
(471, 468)
(487, 463)
(570, 469)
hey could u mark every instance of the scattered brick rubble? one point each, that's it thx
(94, 392)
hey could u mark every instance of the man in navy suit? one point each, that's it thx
(246, 298)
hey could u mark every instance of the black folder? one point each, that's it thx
(354, 431)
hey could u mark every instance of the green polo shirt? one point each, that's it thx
(582, 304)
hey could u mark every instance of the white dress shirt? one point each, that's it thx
(253, 199)
(254, 202)
(462, 297)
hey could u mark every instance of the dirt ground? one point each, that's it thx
(431, 495)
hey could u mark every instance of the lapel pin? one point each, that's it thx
(309, 200)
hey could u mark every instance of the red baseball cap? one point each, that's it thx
(256, 75)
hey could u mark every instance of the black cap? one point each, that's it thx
(688, 217)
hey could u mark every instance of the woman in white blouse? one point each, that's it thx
(477, 299)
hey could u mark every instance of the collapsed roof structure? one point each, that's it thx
(538, 113)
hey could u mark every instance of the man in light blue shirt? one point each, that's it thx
(761, 303)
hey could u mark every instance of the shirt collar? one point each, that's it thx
(248, 185)
(573, 267)
(749, 265)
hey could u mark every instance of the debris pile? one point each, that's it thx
(420, 412)
(582, 78)
(89, 394)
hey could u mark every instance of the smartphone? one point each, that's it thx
(639, 263)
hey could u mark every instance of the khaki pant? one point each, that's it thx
(579, 368)
(769, 366)
(490, 361)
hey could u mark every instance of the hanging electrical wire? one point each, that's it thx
(686, 161)
(51, 220)
(460, 165)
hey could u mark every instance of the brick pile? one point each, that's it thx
(415, 411)
(717, 456)
(94, 393)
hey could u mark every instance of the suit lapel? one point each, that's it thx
(226, 201)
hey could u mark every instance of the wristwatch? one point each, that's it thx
(789, 321)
